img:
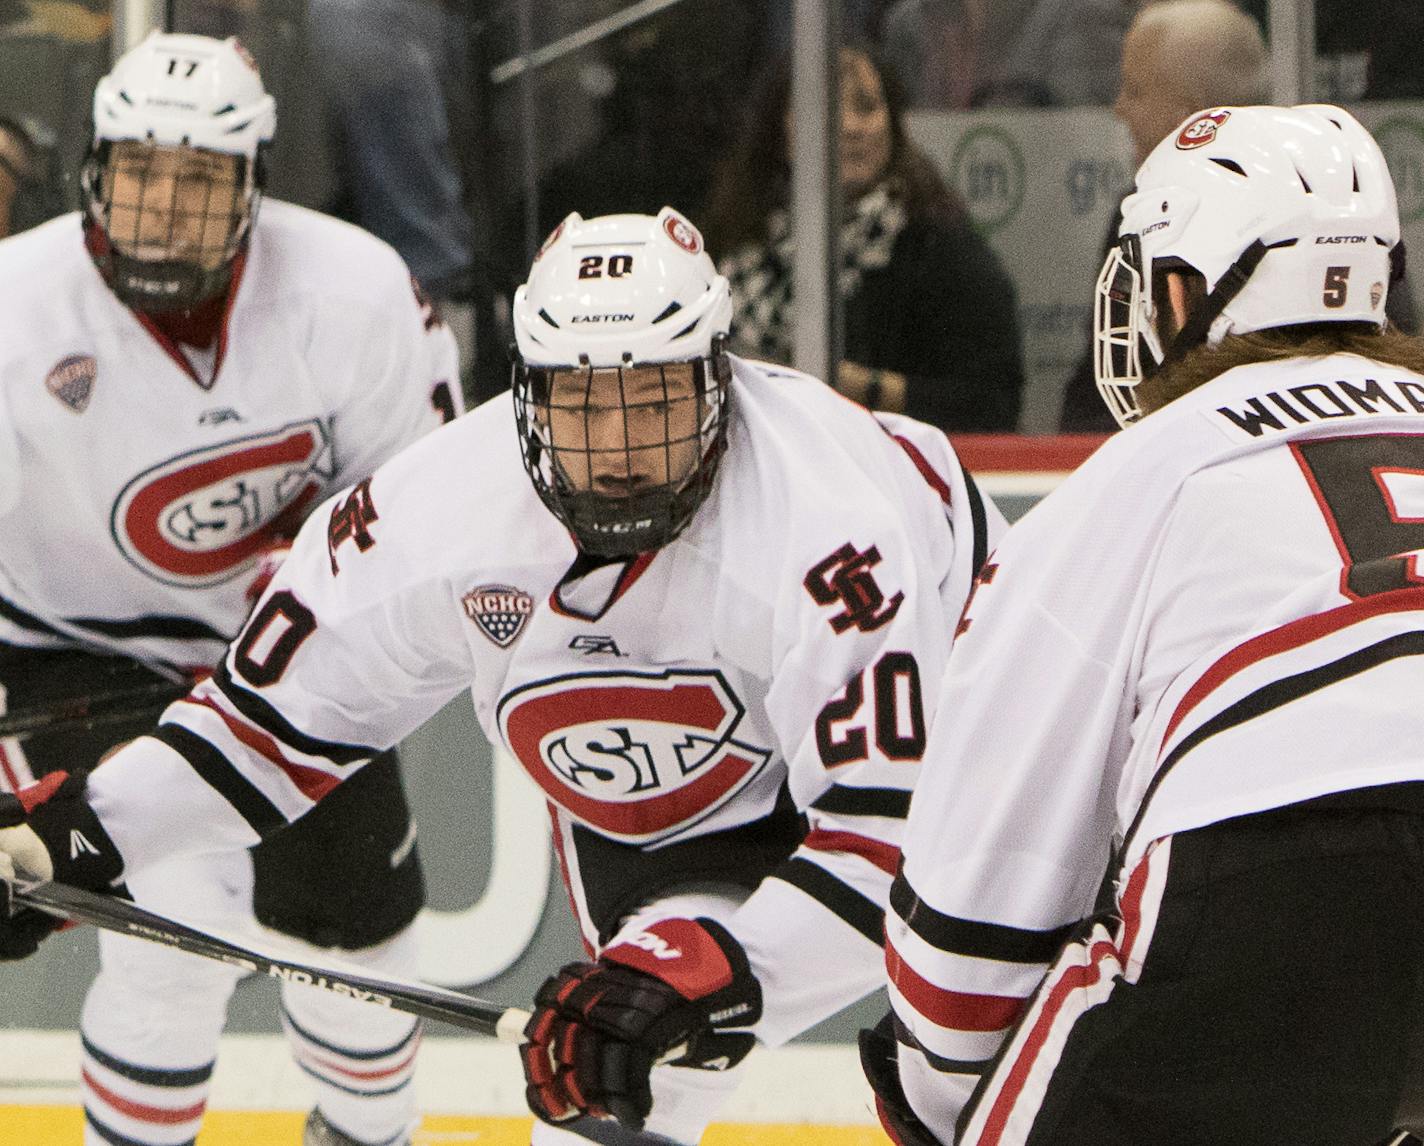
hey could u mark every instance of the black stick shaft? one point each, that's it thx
(119, 915)
(96, 708)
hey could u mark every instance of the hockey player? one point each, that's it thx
(702, 622)
(1190, 678)
(181, 382)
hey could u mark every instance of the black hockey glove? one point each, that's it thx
(48, 831)
(598, 1029)
(879, 1059)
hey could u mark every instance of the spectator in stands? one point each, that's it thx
(1007, 53)
(673, 107)
(393, 75)
(930, 321)
(1179, 56)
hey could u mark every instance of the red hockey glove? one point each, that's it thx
(879, 1059)
(598, 1029)
(48, 831)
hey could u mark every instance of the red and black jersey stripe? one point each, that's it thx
(220, 775)
(906, 1037)
(1273, 696)
(264, 716)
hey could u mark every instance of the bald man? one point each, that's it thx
(1179, 56)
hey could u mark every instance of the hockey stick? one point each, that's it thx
(415, 998)
(96, 708)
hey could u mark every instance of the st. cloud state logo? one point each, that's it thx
(637, 756)
(203, 517)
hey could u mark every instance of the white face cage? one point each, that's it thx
(1120, 327)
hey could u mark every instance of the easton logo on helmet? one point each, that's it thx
(500, 611)
(1202, 130)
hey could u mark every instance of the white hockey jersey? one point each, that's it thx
(1218, 613)
(674, 706)
(140, 480)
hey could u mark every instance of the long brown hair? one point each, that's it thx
(755, 177)
(1197, 367)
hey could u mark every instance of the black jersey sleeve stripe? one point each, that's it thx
(841, 800)
(841, 899)
(979, 518)
(267, 718)
(154, 626)
(970, 936)
(259, 812)
(1270, 697)
(149, 1076)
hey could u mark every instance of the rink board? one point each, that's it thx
(470, 1090)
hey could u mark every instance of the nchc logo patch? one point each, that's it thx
(71, 380)
(500, 611)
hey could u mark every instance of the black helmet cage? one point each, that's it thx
(161, 285)
(639, 518)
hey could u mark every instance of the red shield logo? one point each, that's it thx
(637, 756)
(683, 233)
(203, 517)
(1202, 130)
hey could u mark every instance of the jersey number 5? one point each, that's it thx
(1371, 490)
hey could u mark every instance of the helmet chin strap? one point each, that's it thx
(1195, 330)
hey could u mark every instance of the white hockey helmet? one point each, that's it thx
(180, 92)
(186, 91)
(1288, 215)
(620, 289)
(605, 295)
